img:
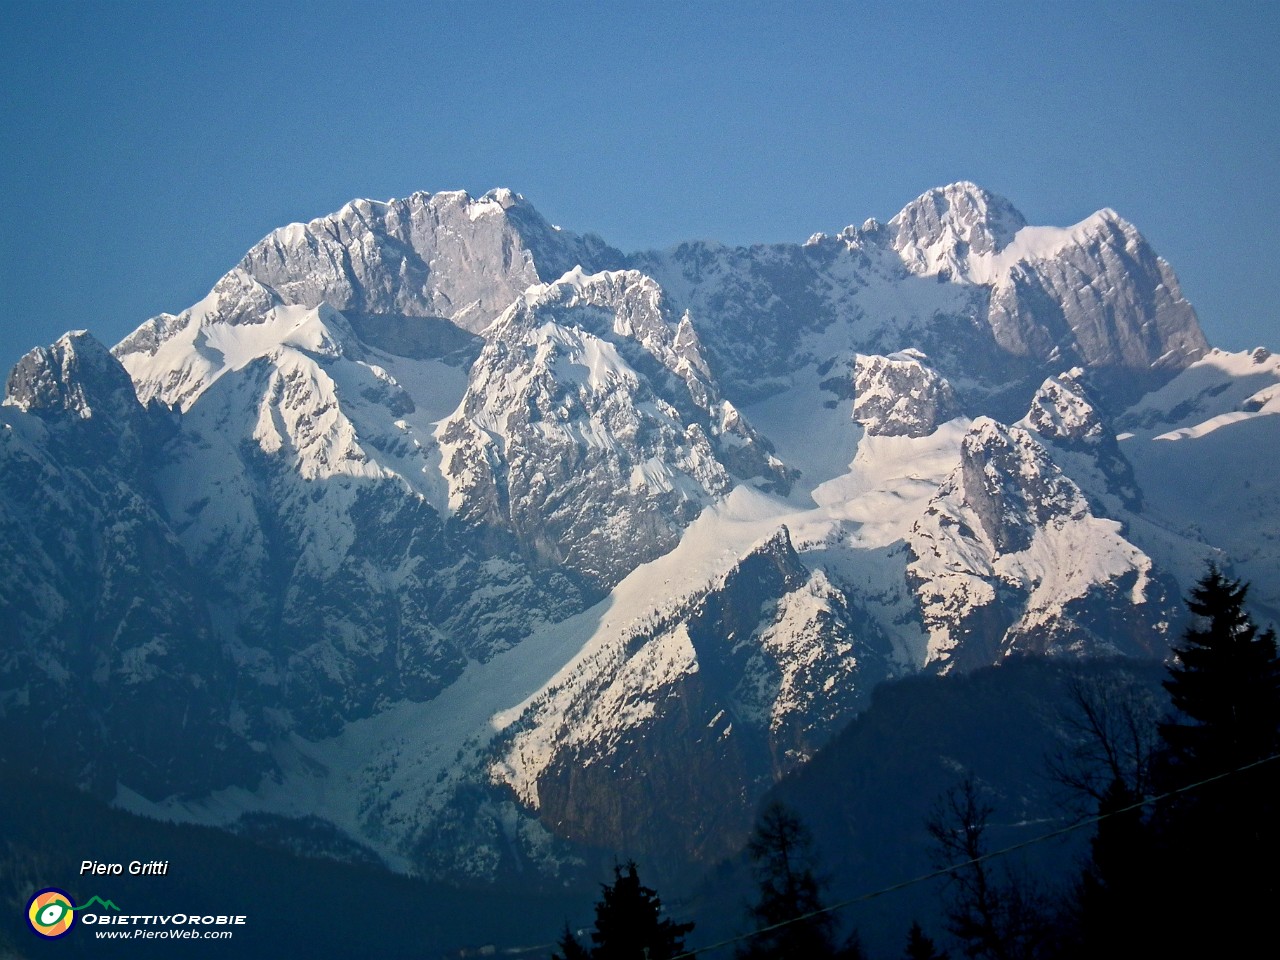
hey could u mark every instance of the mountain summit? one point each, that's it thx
(474, 537)
(948, 228)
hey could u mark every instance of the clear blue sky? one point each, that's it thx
(147, 146)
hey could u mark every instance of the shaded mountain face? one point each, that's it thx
(110, 661)
(489, 545)
(916, 740)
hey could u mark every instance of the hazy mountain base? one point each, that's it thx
(865, 796)
(295, 906)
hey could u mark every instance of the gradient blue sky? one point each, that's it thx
(147, 146)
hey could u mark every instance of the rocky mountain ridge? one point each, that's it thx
(475, 537)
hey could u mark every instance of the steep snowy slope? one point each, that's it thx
(1204, 454)
(493, 547)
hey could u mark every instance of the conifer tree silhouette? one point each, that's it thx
(782, 851)
(1218, 842)
(629, 922)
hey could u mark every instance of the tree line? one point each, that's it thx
(1185, 808)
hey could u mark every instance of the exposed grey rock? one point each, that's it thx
(397, 443)
(945, 276)
(900, 395)
(109, 670)
(443, 255)
(1065, 416)
(1012, 487)
(590, 429)
(730, 691)
(1009, 558)
(1106, 302)
(936, 233)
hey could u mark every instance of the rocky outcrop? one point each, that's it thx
(673, 743)
(392, 485)
(1009, 558)
(950, 231)
(1064, 415)
(1103, 300)
(430, 255)
(589, 393)
(958, 274)
(900, 395)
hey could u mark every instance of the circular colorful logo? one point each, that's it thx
(51, 913)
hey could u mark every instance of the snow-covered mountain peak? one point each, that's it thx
(624, 304)
(1061, 409)
(77, 375)
(1108, 215)
(1106, 226)
(200, 348)
(942, 229)
(901, 395)
(421, 445)
(503, 197)
(428, 257)
(965, 233)
(581, 285)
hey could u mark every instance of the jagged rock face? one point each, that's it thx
(76, 378)
(443, 255)
(900, 395)
(1009, 558)
(941, 231)
(590, 430)
(107, 638)
(1061, 411)
(753, 306)
(410, 275)
(670, 746)
(1065, 415)
(765, 312)
(957, 273)
(334, 575)
(1105, 301)
(1095, 295)
(379, 521)
(1012, 488)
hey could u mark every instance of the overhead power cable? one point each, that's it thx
(946, 871)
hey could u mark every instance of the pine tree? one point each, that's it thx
(921, 947)
(629, 922)
(782, 851)
(1114, 904)
(1219, 841)
(570, 948)
(1225, 683)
